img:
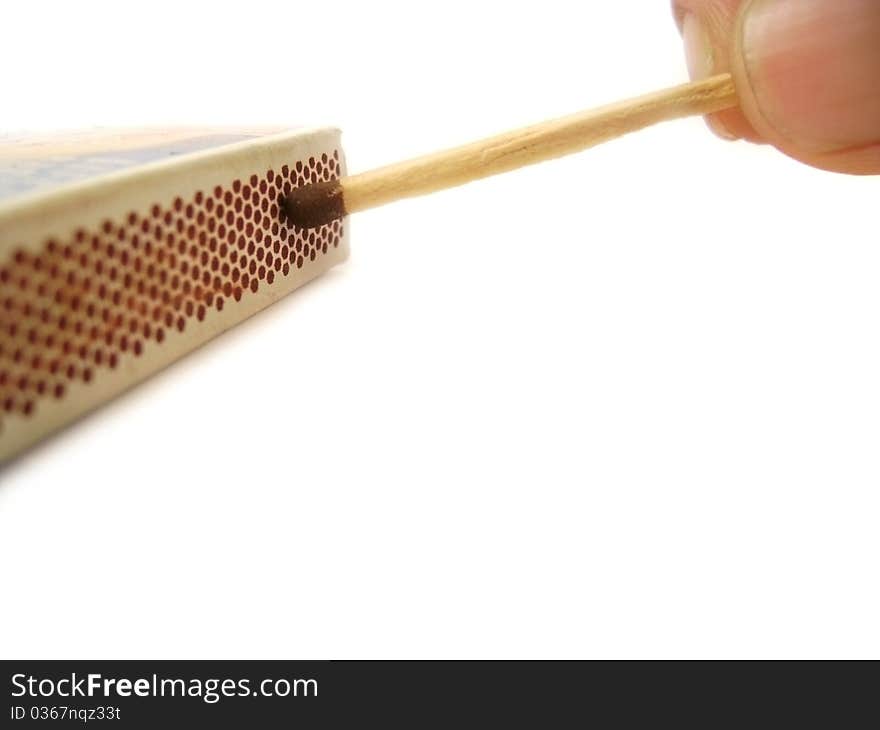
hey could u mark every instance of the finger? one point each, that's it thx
(806, 73)
(707, 27)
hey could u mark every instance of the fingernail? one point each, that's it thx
(697, 48)
(813, 67)
(700, 58)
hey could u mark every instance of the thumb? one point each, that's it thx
(807, 73)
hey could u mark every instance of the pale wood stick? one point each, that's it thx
(315, 205)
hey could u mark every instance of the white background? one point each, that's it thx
(626, 404)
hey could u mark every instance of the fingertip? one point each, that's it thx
(706, 29)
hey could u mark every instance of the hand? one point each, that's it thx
(807, 73)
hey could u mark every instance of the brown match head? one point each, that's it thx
(316, 204)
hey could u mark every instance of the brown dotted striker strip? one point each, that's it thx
(82, 304)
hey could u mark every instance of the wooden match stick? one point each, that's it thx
(320, 203)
